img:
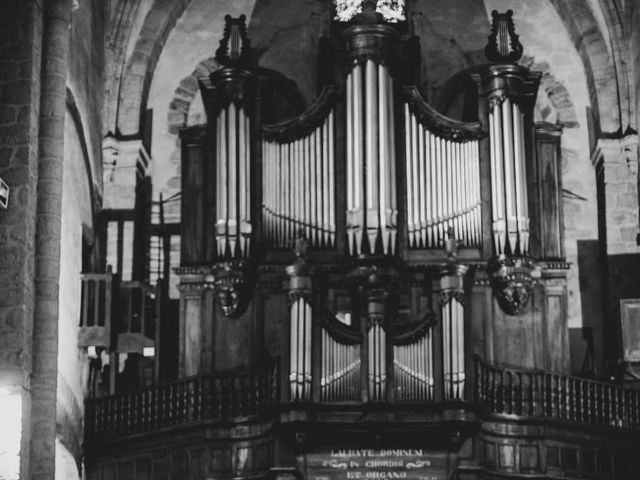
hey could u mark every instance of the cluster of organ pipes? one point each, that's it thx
(510, 210)
(413, 370)
(340, 370)
(233, 174)
(300, 350)
(377, 356)
(371, 172)
(298, 188)
(453, 349)
(443, 187)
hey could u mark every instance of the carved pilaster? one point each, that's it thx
(196, 317)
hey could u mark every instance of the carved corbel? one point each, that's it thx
(512, 280)
(230, 286)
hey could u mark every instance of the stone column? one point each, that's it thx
(55, 65)
(21, 24)
(195, 350)
(616, 164)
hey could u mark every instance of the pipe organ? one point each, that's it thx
(510, 211)
(371, 173)
(442, 178)
(377, 358)
(300, 317)
(452, 313)
(299, 179)
(340, 374)
(233, 185)
(413, 368)
(300, 350)
(453, 349)
(375, 183)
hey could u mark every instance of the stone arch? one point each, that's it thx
(605, 96)
(557, 99)
(184, 94)
(158, 23)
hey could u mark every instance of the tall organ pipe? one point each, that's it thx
(443, 186)
(371, 199)
(508, 175)
(298, 183)
(233, 169)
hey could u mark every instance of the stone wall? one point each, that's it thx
(20, 54)
(72, 362)
(86, 76)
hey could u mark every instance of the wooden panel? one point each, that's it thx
(516, 337)
(630, 320)
(233, 340)
(529, 458)
(507, 456)
(555, 328)
(363, 464)
(547, 237)
(193, 191)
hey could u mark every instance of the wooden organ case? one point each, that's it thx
(370, 247)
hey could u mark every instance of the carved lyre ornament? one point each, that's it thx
(235, 47)
(503, 45)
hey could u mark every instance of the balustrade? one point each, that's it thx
(191, 400)
(534, 394)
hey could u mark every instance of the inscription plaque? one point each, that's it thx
(377, 464)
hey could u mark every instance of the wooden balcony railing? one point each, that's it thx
(534, 394)
(191, 400)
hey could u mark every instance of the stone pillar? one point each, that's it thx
(20, 64)
(616, 164)
(195, 347)
(55, 64)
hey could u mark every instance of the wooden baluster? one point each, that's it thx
(574, 399)
(581, 391)
(590, 403)
(524, 397)
(498, 382)
(610, 406)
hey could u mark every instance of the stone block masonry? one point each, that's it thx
(20, 63)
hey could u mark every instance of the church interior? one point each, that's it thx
(319, 240)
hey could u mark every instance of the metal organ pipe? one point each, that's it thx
(413, 369)
(233, 171)
(508, 174)
(443, 186)
(453, 349)
(376, 337)
(371, 200)
(340, 371)
(298, 187)
(300, 350)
